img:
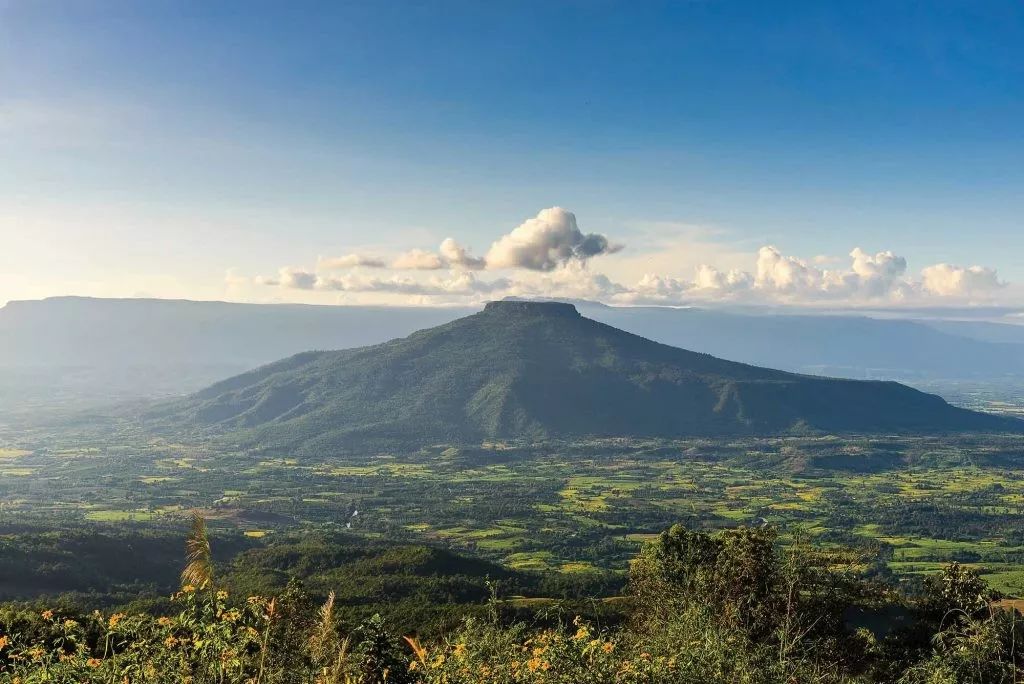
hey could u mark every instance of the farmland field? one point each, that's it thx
(912, 503)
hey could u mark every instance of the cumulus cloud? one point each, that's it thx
(458, 256)
(550, 239)
(870, 276)
(877, 274)
(418, 260)
(733, 280)
(776, 271)
(551, 257)
(947, 280)
(350, 261)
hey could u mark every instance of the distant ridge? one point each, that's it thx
(532, 370)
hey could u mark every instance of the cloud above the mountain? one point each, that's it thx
(549, 256)
(458, 256)
(548, 240)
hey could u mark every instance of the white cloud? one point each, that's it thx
(877, 274)
(733, 280)
(781, 273)
(654, 285)
(350, 261)
(458, 256)
(418, 260)
(548, 240)
(551, 257)
(947, 280)
(870, 276)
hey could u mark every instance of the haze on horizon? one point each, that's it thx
(808, 155)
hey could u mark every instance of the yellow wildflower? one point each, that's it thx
(164, 621)
(47, 614)
(114, 619)
(93, 662)
(4, 641)
(608, 647)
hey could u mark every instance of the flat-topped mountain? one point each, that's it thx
(534, 370)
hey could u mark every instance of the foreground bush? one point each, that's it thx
(730, 607)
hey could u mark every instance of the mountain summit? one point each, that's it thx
(540, 369)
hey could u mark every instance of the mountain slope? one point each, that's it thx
(530, 370)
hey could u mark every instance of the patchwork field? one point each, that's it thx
(911, 503)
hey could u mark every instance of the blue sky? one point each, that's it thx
(150, 147)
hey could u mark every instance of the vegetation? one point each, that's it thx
(727, 607)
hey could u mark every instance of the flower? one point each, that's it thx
(114, 619)
(164, 621)
(188, 588)
(93, 662)
(4, 641)
(222, 595)
(608, 647)
(47, 614)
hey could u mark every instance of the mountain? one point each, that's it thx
(76, 350)
(535, 370)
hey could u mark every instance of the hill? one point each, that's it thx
(535, 370)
